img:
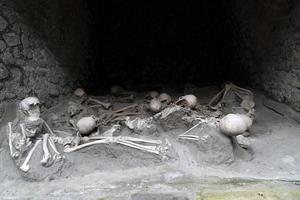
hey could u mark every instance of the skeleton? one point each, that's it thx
(245, 95)
(152, 146)
(31, 126)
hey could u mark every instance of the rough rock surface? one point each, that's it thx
(213, 147)
(27, 66)
(269, 33)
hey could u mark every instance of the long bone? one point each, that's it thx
(25, 167)
(151, 149)
(13, 154)
(56, 152)
(210, 121)
(24, 135)
(120, 112)
(47, 155)
(48, 127)
(71, 149)
(100, 103)
(215, 102)
(132, 139)
(119, 140)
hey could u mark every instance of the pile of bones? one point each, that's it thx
(88, 115)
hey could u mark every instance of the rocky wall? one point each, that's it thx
(269, 48)
(27, 66)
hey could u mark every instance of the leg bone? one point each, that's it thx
(151, 149)
(25, 167)
(13, 153)
(71, 149)
(47, 155)
(56, 152)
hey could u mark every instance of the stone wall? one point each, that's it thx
(269, 49)
(27, 66)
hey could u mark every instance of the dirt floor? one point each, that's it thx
(191, 170)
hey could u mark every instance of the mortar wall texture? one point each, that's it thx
(27, 66)
(269, 32)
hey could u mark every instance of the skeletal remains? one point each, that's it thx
(245, 95)
(151, 146)
(233, 125)
(28, 132)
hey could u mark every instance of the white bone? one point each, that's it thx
(123, 141)
(86, 125)
(155, 105)
(79, 92)
(151, 95)
(25, 167)
(71, 149)
(151, 149)
(189, 100)
(167, 111)
(103, 104)
(189, 137)
(47, 154)
(23, 131)
(133, 139)
(13, 153)
(48, 127)
(165, 98)
(56, 152)
(235, 124)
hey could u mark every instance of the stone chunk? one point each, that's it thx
(4, 73)
(11, 39)
(3, 24)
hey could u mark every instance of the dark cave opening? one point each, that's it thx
(141, 43)
(153, 44)
(144, 45)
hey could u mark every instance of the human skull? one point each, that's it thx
(155, 105)
(73, 109)
(86, 125)
(165, 98)
(189, 100)
(79, 92)
(29, 107)
(151, 95)
(235, 124)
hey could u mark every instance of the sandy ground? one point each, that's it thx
(120, 172)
